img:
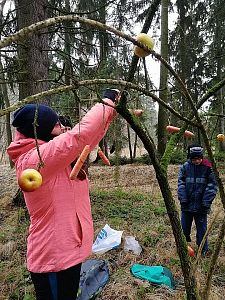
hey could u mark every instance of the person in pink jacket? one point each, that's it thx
(61, 229)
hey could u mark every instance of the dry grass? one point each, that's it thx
(128, 199)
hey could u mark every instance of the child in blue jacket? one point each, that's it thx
(197, 189)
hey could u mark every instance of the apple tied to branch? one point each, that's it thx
(220, 137)
(29, 180)
(145, 40)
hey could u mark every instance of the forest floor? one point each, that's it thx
(128, 199)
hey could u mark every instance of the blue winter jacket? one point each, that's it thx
(197, 186)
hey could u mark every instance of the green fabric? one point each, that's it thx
(155, 274)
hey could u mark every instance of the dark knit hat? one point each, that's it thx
(195, 151)
(46, 120)
(111, 94)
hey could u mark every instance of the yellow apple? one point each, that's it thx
(145, 40)
(220, 137)
(29, 180)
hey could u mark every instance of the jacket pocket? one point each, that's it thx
(78, 232)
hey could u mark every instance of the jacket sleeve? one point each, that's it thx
(181, 190)
(63, 149)
(210, 191)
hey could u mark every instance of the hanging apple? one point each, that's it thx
(29, 180)
(220, 137)
(145, 40)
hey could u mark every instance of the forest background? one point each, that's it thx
(88, 45)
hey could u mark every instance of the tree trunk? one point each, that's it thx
(4, 91)
(189, 277)
(135, 146)
(32, 52)
(183, 60)
(103, 36)
(162, 114)
(75, 103)
(129, 143)
(103, 40)
(67, 62)
(219, 67)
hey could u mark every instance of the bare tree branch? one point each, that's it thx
(63, 89)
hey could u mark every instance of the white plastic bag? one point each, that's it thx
(107, 239)
(133, 245)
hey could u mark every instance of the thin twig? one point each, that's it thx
(199, 253)
(35, 124)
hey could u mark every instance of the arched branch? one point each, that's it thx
(63, 89)
(28, 31)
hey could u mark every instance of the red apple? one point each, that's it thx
(29, 180)
(191, 251)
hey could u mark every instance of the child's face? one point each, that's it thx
(196, 161)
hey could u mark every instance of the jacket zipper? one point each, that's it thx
(195, 186)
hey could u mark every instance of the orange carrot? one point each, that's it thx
(103, 157)
(188, 134)
(173, 129)
(136, 112)
(79, 163)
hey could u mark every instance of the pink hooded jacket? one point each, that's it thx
(61, 227)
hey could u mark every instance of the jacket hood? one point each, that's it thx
(21, 145)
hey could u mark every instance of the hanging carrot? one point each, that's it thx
(136, 112)
(173, 129)
(79, 163)
(103, 157)
(188, 134)
(191, 251)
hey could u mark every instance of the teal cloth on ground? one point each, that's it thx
(155, 274)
